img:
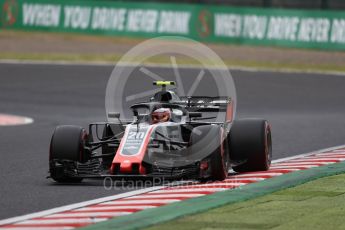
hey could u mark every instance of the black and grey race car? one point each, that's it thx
(170, 136)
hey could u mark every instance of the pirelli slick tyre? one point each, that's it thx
(67, 145)
(250, 141)
(208, 139)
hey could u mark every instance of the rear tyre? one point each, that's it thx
(207, 140)
(250, 140)
(67, 148)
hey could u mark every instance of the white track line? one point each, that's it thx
(287, 170)
(247, 178)
(148, 202)
(63, 221)
(293, 166)
(191, 190)
(257, 174)
(172, 196)
(321, 158)
(233, 183)
(311, 160)
(95, 208)
(299, 164)
(89, 214)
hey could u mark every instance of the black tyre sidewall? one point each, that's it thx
(250, 140)
(66, 143)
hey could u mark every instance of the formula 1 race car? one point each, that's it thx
(170, 137)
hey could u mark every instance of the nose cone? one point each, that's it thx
(126, 166)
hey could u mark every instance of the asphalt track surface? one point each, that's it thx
(306, 112)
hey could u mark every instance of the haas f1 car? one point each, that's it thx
(170, 137)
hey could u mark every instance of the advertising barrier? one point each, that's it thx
(208, 23)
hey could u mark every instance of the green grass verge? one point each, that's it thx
(113, 58)
(318, 204)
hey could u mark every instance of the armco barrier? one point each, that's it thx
(258, 26)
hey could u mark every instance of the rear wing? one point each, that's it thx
(209, 104)
(204, 104)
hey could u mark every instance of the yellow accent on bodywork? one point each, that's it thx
(164, 83)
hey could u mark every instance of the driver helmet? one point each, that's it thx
(161, 115)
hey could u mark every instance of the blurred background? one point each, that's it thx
(273, 34)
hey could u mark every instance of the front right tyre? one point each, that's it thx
(66, 150)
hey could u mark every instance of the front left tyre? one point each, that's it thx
(67, 148)
(207, 141)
